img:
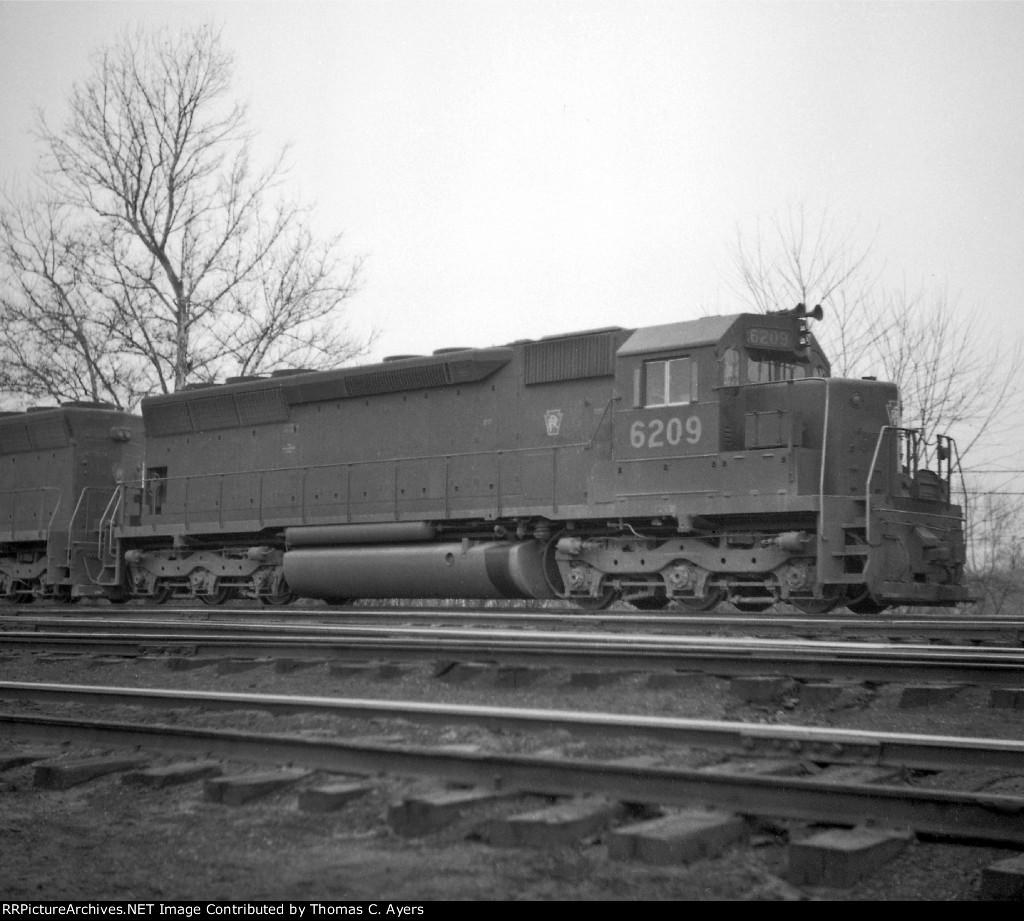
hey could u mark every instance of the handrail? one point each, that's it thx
(789, 380)
(140, 484)
(71, 525)
(113, 503)
(913, 437)
(56, 508)
(867, 487)
(960, 470)
(954, 451)
(821, 473)
(15, 492)
(262, 473)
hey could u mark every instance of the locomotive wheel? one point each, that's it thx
(702, 602)
(218, 597)
(832, 598)
(279, 599)
(864, 604)
(161, 595)
(597, 603)
(650, 603)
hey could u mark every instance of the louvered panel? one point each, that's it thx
(167, 419)
(48, 433)
(14, 438)
(261, 406)
(390, 380)
(570, 359)
(214, 413)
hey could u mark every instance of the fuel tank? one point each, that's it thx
(463, 569)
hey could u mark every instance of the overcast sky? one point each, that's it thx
(517, 169)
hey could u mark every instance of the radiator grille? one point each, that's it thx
(213, 413)
(261, 406)
(570, 359)
(391, 380)
(167, 419)
(33, 435)
(14, 438)
(48, 433)
(223, 411)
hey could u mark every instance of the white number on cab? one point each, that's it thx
(659, 433)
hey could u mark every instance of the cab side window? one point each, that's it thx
(156, 489)
(731, 368)
(670, 382)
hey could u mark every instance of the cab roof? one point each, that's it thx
(682, 335)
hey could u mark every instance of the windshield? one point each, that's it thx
(749, 368)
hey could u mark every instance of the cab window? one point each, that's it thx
(731, 368)
(765, 372)
(670, 382)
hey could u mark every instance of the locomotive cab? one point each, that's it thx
(782, 484)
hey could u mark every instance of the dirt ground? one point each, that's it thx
(106, 840)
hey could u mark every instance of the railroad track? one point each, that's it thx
(824, 781)
(1007, 631)
(952, 814)
(822, 745)
(804, 659)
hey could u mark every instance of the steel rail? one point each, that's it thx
(1009, 632)
(961, 816)
(722, 656)
(204, 631)
(941, 628)
(822, 745)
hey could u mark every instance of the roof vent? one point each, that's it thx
(89, 404)
(567, 358)
(289, 372)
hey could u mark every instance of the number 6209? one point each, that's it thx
(659, 433)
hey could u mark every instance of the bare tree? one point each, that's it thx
(952, 376)
(804, 258)
(153, 253)
(996, 548)
(955, 376)
(54, 335)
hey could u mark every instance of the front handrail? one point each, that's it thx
(953, 463)
(912, 439)
(71, 525)
(867, 488)
(107, 521)
(821, 473)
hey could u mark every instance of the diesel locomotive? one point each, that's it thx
(692, 463)
(60, 468)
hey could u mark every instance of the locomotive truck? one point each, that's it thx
(692, 463)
